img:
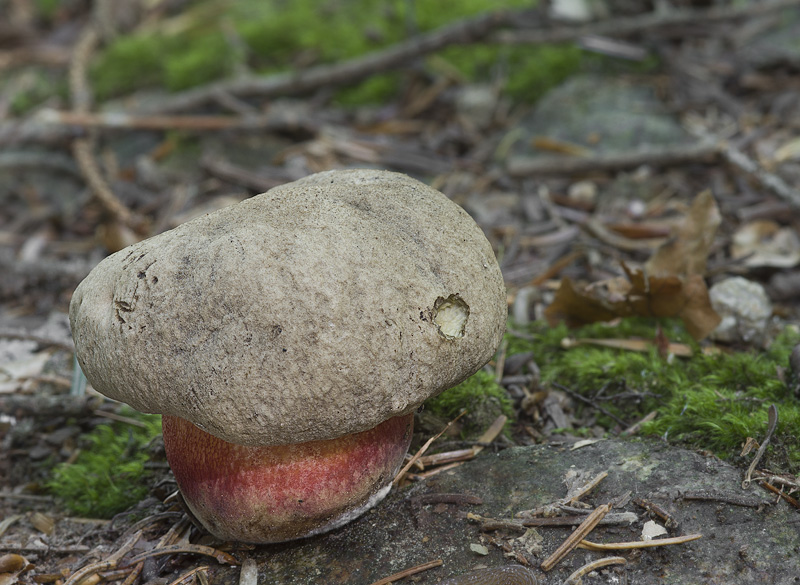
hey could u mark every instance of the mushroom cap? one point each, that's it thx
(317, 309)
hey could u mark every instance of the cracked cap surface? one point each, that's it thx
(317, 309)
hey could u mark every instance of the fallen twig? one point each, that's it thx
(740, 160)
(779, 493)
(399, 477)
(668, 519)
(524, 166)
(733, 499)
(491, 524)
(408, 572)
(576, 537)
(197, 549)
(110, 563)
(675, 20)
(81, 98)
(337, 74)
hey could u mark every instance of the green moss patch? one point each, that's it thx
(109, 474)
(709, 401)
(215, 39)
(482, 398)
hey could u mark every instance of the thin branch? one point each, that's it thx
(738, 158)
(408, 572)
(576, 537)
(523, 166)
(82, 148)
(338, 74)
(646, 23)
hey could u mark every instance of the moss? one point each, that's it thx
(46, 9)
(482, 398)
(131, 62)
(108, 475)
(713, 402)
(277, 35)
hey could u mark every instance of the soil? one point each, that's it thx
(721, 112)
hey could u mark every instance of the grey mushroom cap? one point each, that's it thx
(317, 309)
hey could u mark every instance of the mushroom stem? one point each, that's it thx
(281, 492)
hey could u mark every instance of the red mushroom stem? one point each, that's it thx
(275, 493)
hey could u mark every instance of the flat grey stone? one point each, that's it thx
(740, 545)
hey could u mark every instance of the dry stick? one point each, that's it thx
(772, 423)
(82, 150)
(81, 97)
(638, 543)
(739, 159)
(190, 575)
(398, 478)
(110, 563)
(576, 537)
(769, 180)
(327, 76)
(491, 524)
(620, 27)
(198, 549)
(120, 120)
(668, 519)
(523, 166)
(586, 488)
(462, 32)
(593, 566)
(779, 493)
(408, 572)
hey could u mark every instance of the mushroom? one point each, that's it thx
(288, 339)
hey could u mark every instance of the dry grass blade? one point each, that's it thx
(190, 574)
(401, 474)
(110, 563)
(638, 543)
(593, 566)
(772, 424)
(195, 549)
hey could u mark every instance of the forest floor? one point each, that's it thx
(639, 168)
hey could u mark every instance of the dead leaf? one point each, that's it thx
(11, 567)
(638, 295)
(687, 251)
(765, 243)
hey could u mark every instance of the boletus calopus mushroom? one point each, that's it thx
(288, 339)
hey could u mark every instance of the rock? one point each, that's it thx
(752, 541)
(745, 310)
(604, 115)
